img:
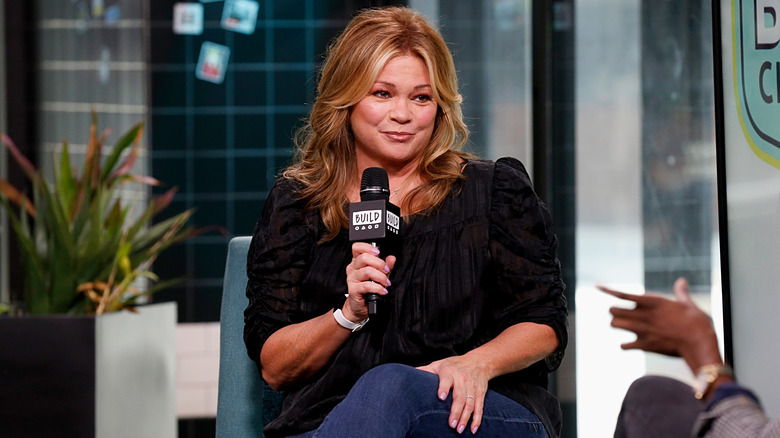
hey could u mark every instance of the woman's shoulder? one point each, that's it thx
(516, 206)
(505, 186)
(511, 173)
(489, 186)
(285, 205)
(285, 192)
(285, 217)
(505, 173)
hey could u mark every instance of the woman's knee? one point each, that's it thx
(384, 402)
(394, 370)
(397, 382)
(395, 374)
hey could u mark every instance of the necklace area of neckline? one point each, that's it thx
(401, 187)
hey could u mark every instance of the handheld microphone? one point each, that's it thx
(374, 219)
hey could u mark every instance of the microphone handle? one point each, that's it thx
(372, 298)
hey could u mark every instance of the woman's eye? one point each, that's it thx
(381, 93)
(423, 98)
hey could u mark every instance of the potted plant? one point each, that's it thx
(86, 254)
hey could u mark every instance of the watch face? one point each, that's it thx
(706, 375)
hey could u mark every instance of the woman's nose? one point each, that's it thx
(400, 111)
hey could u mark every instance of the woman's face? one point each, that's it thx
(394, 122)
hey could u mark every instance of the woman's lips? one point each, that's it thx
(398, 136)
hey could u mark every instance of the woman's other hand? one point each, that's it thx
(367, 273)
(468, 381)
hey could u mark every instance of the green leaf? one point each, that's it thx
(129, 138)
(32, 264)
(54, 216)
(116, 216)
(53, 228)
(153, 289)
(148, 237)
(65, 182)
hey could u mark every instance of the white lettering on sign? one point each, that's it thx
(393, 220)
(366, 217)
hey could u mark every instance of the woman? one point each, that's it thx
(473, 316)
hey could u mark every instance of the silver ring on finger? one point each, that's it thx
(471, 396)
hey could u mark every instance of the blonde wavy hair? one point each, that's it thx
(325, 160)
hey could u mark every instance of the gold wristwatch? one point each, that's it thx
(708, 374)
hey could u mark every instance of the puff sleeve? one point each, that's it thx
(278, 260)
(523, 246)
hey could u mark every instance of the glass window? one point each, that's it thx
(491, 45)
(646, 211)
(88, 58)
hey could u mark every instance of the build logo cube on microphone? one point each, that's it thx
(373, 220)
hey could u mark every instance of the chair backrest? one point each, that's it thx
(240, 400)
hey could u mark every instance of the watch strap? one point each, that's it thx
(347, 324)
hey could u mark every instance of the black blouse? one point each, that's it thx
(484, 261)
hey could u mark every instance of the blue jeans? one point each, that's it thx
(395, 400)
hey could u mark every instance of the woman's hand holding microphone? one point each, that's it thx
(367, 273)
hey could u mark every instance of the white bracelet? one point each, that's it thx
(347, 324)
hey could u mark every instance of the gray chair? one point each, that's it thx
(245, 402)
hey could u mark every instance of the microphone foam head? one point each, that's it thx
(374, 184)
